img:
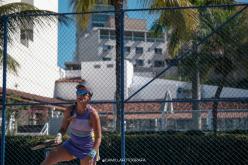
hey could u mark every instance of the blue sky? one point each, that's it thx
(67, 33)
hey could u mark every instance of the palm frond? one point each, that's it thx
(12, 64)
(80, 6)
(23, 15)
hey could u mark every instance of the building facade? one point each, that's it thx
(35, 48)
(146, 52)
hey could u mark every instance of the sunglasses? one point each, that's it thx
(82, 92)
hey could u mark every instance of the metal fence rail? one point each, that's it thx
(155, 71)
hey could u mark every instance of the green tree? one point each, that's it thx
(16, 22)
(185, 28)
(221, 55)
(87, 6)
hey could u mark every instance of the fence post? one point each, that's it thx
(122, 99)
(5, 38)
(196, 90)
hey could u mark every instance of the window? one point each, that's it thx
(26, 34)
(138, 36)
(106, 59)
(158, 51)
(171, 62)
(104, 34)
(97, 24)
(139, 62)
(97, 66)
(139, 50)
(128, 35)
(158, 63)
(127, 50)
(107, 48)
(110, 66)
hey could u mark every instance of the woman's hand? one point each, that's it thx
(58, 138)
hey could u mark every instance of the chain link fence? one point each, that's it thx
(184, 82)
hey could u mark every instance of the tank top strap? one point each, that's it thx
(89, 108)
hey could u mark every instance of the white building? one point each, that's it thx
(36, 50)
(102, 79)
(100, 75)
(146, 52)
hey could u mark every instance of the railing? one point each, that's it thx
(45, 129)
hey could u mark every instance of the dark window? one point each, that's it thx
(26, 35)
(127, 50)
(110, 66)
(139, 62)
(158, 51)
(107, 48)
(97, 66)
(137, 36)
(139, 50)
(171, 62)
(97, 24)
(104, 34)
(106, 59)
(158, 63)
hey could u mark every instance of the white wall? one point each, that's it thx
(158, 88)
(65, 90)
(51, 5)
(38, 61)
(101, 80)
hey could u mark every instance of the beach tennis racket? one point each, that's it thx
(45, 144)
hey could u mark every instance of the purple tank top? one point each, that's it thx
(80, 124)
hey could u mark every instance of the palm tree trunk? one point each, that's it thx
(216, 103)
(196, 93)
(118, 4)
(224, 64)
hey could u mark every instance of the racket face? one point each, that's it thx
(45, 144)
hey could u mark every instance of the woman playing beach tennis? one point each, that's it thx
(85, 137)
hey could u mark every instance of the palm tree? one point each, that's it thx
(87, 6)
(183, 25)
(222, 52)
(14, 24)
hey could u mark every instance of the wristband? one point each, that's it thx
(59, 134)
(92, 153)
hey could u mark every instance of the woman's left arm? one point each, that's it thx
(96, 124)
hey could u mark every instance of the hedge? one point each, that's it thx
(155, 148)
